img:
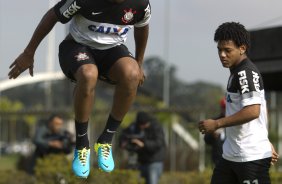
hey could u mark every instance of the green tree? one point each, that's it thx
(201, 95)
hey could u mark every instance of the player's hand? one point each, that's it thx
(207, 126)
(56, 144)
(275, 155)
(23, 62)
(138, 142)
(141, 77)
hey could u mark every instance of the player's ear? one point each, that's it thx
(243, 49)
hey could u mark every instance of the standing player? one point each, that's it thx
(95, 49)
(247, 151)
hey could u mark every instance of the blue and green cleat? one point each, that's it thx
(105, 158)
(81, 162)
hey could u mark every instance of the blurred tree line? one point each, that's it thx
(28, 103)
(183, 95)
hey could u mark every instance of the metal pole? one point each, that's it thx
(166, 82)
(172, 150)
(202, 148)
(1, 15)
(279, 120)
(50, 62)
(273, 106)
(51, 45)
(0, 127)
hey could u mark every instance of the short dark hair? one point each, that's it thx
(233, 31)
(53, 116)
(142, 118)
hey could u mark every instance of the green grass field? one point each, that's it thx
(8, 162)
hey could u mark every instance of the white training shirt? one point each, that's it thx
(102, 24)
(249, 141)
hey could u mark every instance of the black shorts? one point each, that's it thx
(253, 172)
(72, 55)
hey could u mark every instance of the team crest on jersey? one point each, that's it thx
(81, 56)
(128, 16)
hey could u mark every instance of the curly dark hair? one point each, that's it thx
(233, 31)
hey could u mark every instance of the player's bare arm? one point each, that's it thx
(26, 59)
(245, 115)
(141, 36)
(275, 155)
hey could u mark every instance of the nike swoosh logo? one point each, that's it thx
(79, 135)
(109, 131)
(96, 13)
(84, 172)
(105, 165)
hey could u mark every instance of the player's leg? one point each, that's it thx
(223, 173)
(78, 65)
(154, 172)
(144, 172)
(86, 79)
(124, 71)
(254, 172)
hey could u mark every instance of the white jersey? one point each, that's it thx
(102, 24)
(249, 141)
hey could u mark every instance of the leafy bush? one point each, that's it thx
(56, 169)
(15, 177)
(115, 177)
(52, 169)
(276, 177)
(186, 178)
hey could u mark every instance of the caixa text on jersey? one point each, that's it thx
(109, 30)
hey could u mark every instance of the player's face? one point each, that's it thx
(56, 124)
(144, 125)
(229, 54)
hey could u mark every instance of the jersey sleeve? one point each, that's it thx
(146, 18)
(66, 9)
(249, 87)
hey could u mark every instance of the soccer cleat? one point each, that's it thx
(105, 158)
(81, 162)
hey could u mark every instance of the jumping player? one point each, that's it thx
(94, 49)
(247, 152)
